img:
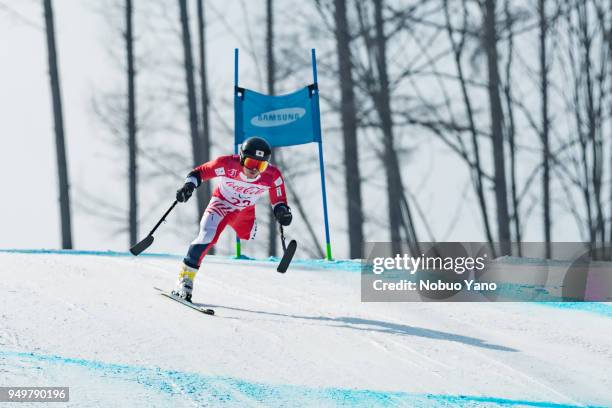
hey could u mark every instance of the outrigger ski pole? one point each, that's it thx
(288, 252)
(145, 243)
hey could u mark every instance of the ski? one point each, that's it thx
(193, 306)
(287, 257)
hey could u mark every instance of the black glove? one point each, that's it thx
(183, 193)
(282, 212)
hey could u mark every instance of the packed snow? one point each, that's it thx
(93, 322)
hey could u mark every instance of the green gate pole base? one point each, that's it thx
(238, 253)
(328, 250)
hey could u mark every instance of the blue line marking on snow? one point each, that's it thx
(603, 309)
(228, 391)
(339, 265)
(84, 252)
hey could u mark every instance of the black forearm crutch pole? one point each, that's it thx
(145, 243)
(282, 235)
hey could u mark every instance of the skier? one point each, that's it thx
(244, 178)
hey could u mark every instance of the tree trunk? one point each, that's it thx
(592, 120)
(62, 166)
(204, 93)
(545, 127)
(196, 143)
(609, 42)
(205, 138)
(383, 105)
(477, 178)
(132, 169)
(497, 119)
(271, 68)
(511, 130)
(349, 131)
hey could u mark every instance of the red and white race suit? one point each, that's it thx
(232, 203)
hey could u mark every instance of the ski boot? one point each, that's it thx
(184, 285)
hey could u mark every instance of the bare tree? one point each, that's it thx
(474, 163)
(204, 96)
(62, 166)
(377, 24)
(584, 56)
(131, 125)
(545, 125)
(395, 189)
(604, 16)
(196, 142)
(497, 121)
(348, 113)
(590, 120)
(270, 70)
(593, 119)
(511, 126)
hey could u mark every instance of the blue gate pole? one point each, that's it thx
(235, 66)
(238, 252)
(321, 163)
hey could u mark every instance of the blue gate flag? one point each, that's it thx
(283, 120)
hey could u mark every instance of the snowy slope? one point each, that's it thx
(94, 323)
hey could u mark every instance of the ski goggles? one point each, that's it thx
(253, 164)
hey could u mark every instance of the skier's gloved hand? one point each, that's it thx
(183, 193)
(282, 212)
